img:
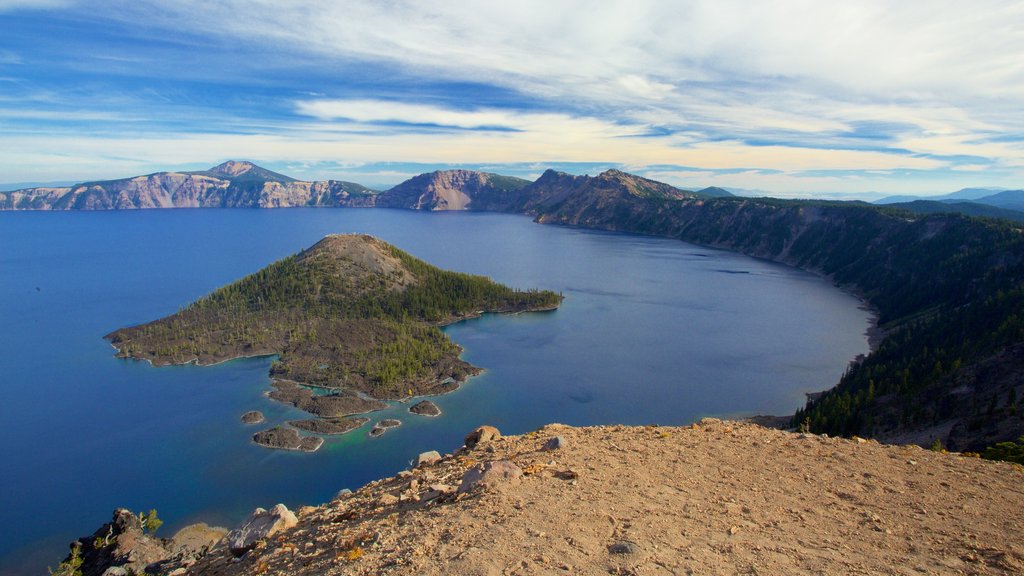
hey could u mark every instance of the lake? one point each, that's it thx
(651, 331)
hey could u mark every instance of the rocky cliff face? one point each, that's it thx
(455, 190)
(230, 185)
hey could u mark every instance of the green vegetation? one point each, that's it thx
(72, 566)
(351, 312)
(1007, 451)
(150, 522)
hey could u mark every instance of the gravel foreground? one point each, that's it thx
(711, 498)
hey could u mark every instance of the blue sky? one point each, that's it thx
(793, 98)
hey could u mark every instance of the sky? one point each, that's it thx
(791, 98)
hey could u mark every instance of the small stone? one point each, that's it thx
(733, 530)
(387, 500)
(481, 435)
(623, 547)
(427, 458)
(556, 443)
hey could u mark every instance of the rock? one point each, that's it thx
(328, 425)
(343, 493)
(287, 439)
(120, 547)
(195, 539)
(481, 435)
(342, 403)
(252, 417)
(623, 547)
(383, 426)
(259, 525)
(490, 474)
(427, 458)
(555, 443)
(425, 408)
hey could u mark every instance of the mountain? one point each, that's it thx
(959, 195)
(714, 192)
(232, 184)
(1009, 199)
(352, 314)
(454, 190)
(966, 208)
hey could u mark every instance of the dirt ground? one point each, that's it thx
(712, 498)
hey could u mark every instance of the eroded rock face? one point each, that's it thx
(258, 526)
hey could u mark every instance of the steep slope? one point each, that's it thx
(454, 190)
(232, 184)
(712, 498)
(951, 288)
(352, 313)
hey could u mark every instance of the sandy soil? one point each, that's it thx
(714, 498)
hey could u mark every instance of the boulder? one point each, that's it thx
(555, 443)
(426, 458)
(481, 435)
(259, 525)
(490, 474)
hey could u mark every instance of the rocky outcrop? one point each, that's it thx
(126, 546)
(335, 405)
(383, 426)
(287, 439)
(425, 408)
(328, 425)
(252, 417)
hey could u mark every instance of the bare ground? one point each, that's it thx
(713, 498)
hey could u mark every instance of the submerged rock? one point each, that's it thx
(287, 439)
(425, 408)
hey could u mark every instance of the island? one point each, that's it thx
(353, 321)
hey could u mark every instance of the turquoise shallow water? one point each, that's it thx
(651, 331)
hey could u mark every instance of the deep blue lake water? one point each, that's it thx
(651, 331)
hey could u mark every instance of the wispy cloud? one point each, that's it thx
(783, 95)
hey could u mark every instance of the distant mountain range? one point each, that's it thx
(239, 184)
(991, 202)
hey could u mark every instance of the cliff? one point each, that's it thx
(712, 498)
